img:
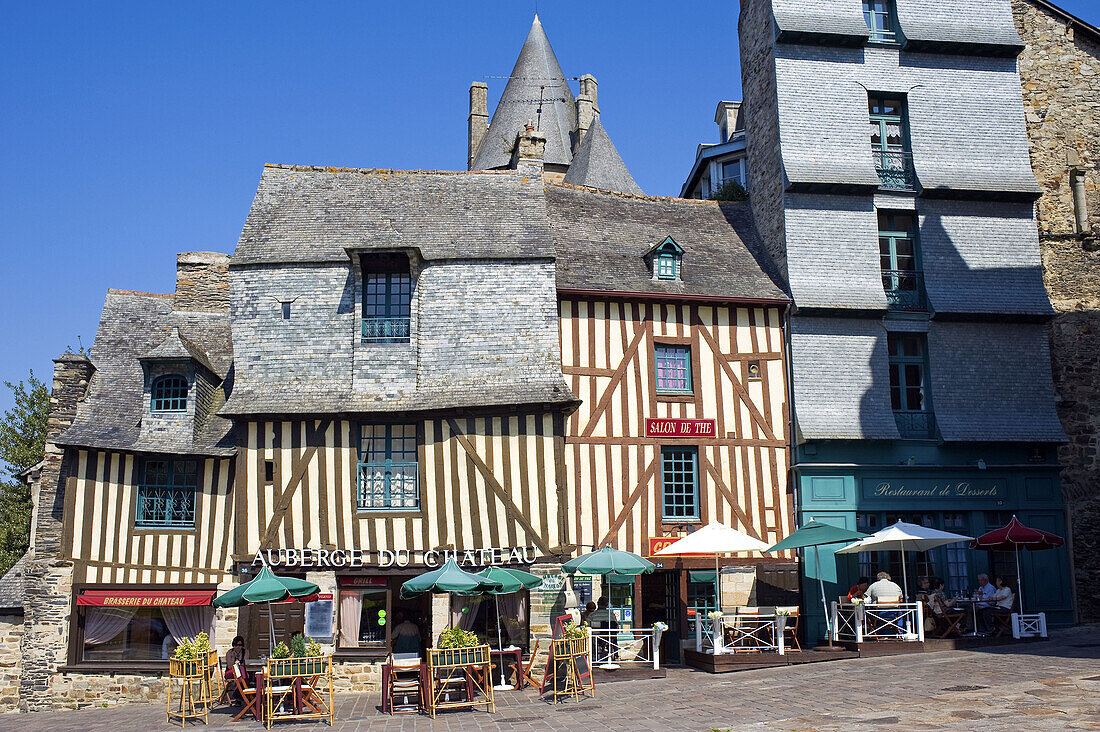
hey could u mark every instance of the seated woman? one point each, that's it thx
(1000, 605)
(237, 654)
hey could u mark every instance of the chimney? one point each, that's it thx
(478, 120)
(728, 118)
(585, 116)
(588, 89)
(71, 374)
(202, 282)
(529, 152)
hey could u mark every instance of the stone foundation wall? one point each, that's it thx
(11, 661)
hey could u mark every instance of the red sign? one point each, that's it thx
(144, 598)
(663, 427)
(361, 581)
(657, 543)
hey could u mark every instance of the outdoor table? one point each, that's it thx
(964, 601)
(261, 700)
(512, 658)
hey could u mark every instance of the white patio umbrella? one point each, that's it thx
(715, 538)
(904, 538)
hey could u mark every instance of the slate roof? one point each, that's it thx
(536, 75)
(841, 376)
(795, 19)
(132, 325)
(600, 240)
(598, 164)
(935, 24)
(12, 591)
(176, 346)
(314, 214)
(991, 382)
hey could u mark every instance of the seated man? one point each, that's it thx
(884, 589)
(1000, 605)
(985, 590)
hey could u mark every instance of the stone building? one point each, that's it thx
(373, 383)
(721, 163)
(1060, 74)
(889, 180)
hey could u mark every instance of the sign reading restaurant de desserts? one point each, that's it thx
(666, 427)
(383, 558)
(918, 488)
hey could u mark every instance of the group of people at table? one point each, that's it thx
(992, 598)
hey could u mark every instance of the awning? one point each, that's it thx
(145, 598)
(696, 575)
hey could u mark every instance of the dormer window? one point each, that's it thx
(666, 259)
(387, 298)
(169, 394)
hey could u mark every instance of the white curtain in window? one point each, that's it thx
(464, 620)
(187, 622)
(351, 609)
(101, 624)
(513, 608)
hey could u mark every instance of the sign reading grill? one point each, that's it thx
(663, 427)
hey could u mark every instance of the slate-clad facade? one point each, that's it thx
(888, 169)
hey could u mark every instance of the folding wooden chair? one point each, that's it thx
(1002, 621)
(948, 619)
(790, 630)
(248, 695)
(405, 683)
(537, 683)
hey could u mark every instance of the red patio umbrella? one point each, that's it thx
(1013, 536)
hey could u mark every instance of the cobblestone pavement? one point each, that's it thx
(1052, 685)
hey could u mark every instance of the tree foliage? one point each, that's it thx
(731, 190)
(22, 445)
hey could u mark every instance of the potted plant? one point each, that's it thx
(465, 647)
(185, 660)
(716, 629)
(308, 648)
(279, 654)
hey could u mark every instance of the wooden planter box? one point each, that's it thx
(570, 647)
(469, 656)
(312, 666)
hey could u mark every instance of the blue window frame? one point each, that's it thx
(879, 16)
(166, 494)
(169, 394)
(388, 468)
(387, 298)
(909, 388)
(899, 258)
(666, 266)
(890, 147)
(673, 369)
(680, 483)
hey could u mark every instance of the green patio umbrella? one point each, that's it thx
(608, 561)
(815, 534)
(511, 580)
(448, 578)
(267, 587)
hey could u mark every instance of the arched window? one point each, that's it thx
(169, 394)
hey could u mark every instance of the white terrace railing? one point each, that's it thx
(640, 646)
(741, 633)
(897, 621)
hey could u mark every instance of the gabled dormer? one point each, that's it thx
(665, 260)
(179, 393)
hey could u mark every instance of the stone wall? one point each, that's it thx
(11, 636)
(202, 282)
(1060, 75)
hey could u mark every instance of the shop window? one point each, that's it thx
(364, 618)
(701, 594)
(867, 523)
(388, 468)
(387, 299)
(479, 615)
(679, 484)
(958, 555)
(169, 394)
(166, 494)
(123, 634)
(673, 369)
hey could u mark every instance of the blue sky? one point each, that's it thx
(133, 131)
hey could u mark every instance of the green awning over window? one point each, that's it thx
(701, 576)
(615, 578)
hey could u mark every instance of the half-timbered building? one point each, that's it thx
(672, 340)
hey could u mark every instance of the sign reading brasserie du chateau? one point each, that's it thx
(354, 558)
(946, 489)
(664, 427)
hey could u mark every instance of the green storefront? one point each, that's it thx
(962, 489)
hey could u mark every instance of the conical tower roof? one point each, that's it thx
(537, 75)
(598, 164)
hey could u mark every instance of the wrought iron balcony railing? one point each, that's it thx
(904, 290)
(915, 425)
(895, 169)
(385, 330)
(388, 486)
(879, 35)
